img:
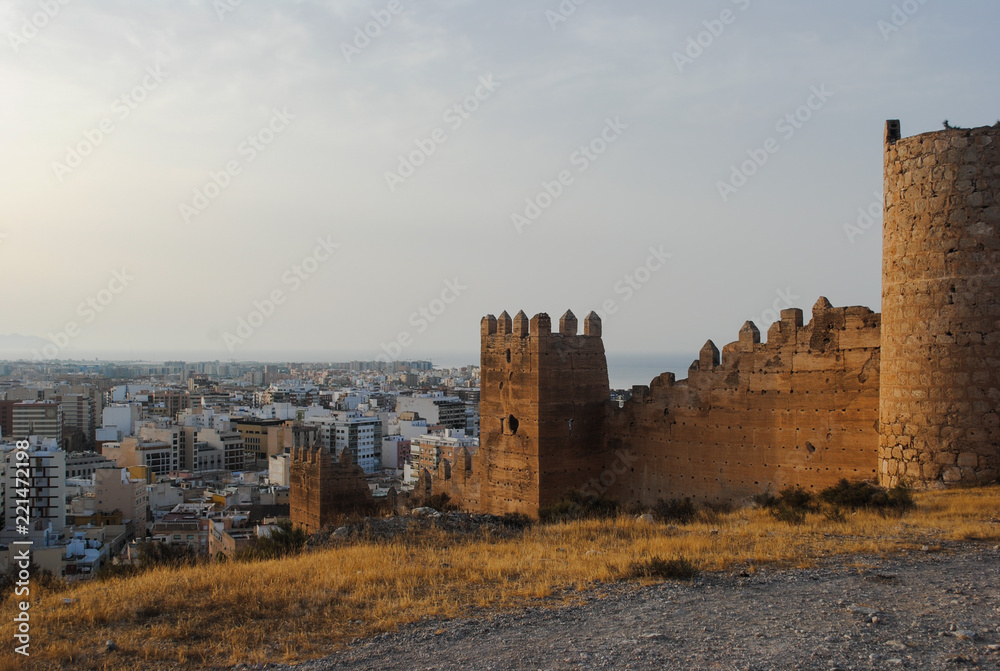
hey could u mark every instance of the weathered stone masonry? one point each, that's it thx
(321, 488)
(941, 307)
(909, 394)
(801, 409)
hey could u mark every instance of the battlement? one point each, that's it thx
(495, 330)
(798, 409)
(831, 332)
(908, 394)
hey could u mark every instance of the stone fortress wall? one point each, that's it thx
(910, 394)
(800, 409)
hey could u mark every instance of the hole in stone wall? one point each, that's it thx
(513, 424)
(508, 356)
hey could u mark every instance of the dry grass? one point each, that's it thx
(303, 607)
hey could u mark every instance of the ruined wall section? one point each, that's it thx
(941, 308)
(320, 488)
(543, 404)
(800, 409)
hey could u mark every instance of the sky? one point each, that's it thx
(217, 179)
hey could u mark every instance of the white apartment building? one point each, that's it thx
(46, 470)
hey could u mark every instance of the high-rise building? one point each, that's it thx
(448, 411)
(37, 418)
(46, 468)
(353, 431)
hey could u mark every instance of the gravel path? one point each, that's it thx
(919, 611)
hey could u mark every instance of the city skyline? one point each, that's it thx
(220, 180)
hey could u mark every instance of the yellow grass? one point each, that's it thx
(304, 607)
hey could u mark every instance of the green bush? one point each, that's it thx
(678, 568)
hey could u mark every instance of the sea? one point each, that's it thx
(628, 370)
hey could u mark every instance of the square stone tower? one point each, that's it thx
(543, 406)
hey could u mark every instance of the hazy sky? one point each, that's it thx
(288, 120)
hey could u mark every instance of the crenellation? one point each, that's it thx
(504, 324)
(708, 357)
(592, 325)
(541, 325)
(567, 324)
(521, 325)
(749, 337)
(489, 326)
(908, 394)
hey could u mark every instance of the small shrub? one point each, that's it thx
(833, 514)
(41, 577)
(635, 509)
(863, 495)
(152, 554)
(517, 521)
(678, 568)
(675, 510)
(791, 504)
(796, 498)
(575, 505)
(285, 540)
(786, 513)
(765, 499)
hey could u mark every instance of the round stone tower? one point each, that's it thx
(940, 371)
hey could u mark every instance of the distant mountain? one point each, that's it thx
(17, 346)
